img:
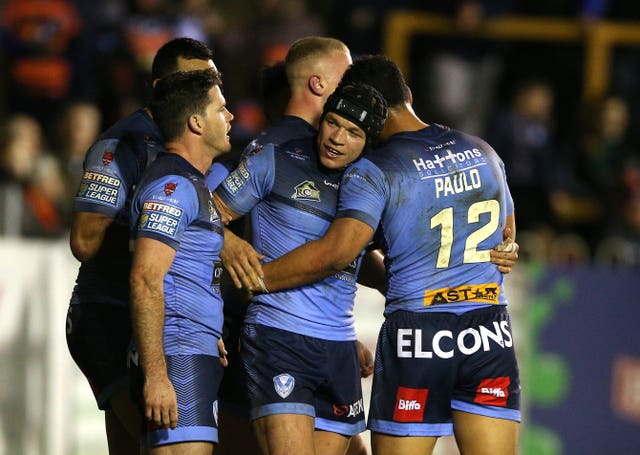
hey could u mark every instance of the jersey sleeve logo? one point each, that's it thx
(107, 158)
(169, 188)
(306, 191)
(160, 218)
(99, 188)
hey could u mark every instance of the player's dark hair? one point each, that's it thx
(179, 95)
(166, 59)
(274, 90)
(382, 74)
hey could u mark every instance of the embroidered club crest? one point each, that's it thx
(283, 384)
(107, 158)
(169, 188)
(306, 191)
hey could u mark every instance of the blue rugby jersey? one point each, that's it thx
(173, 205)
(112, 167)
(292, 200)
(439, 199)
(286, 129)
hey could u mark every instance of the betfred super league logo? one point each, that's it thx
(107, 158)
(169, 188)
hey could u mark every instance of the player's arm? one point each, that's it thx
(87, 233)
(505, 255)
(315, 260)
(227, 215)
(151, 262)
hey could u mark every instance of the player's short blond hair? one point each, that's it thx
(308, 49)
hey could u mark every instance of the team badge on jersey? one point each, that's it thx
(306, 191)
(169, 188)
(283, 384)
(107, 158)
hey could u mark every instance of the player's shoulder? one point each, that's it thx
(137, 126)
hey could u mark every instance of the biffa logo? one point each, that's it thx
(410, 404)
(493, 391)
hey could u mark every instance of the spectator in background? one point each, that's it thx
(598, 157)
(522, 134)
(38, 40)
(46, 200)
(29, 183)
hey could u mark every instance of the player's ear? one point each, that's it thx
(316, 86)
(195, 123)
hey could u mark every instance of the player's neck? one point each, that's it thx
(196, 157)
(401, 119)
(306, 110)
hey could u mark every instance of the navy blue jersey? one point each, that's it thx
(440, 199)
(173, 205)
(112, 167)
(292, 200)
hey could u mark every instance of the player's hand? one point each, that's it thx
(366, 360)
(160, 401)
(222, 353)
(505, 255)
(242, 261)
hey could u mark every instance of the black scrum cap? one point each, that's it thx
(360, 104)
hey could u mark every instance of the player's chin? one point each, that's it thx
(333, 162)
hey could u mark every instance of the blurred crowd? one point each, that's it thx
(70, 68)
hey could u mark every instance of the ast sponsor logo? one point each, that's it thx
(284, 384)
(493, 391)
(444, 343)
(410, 404)
(485, 293)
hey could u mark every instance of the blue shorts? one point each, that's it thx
(196, 379)
(429, 364)
(289, 373)
(98, 337)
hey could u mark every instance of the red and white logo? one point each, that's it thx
(107, 158)
(169, 188)
(493, 391)
(410, 404)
